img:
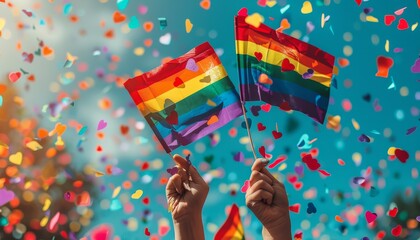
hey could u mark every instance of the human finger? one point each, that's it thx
(259, 164)
(256, 175)
(261, 184)
(174, 185)
(192, 171)
(259, 195)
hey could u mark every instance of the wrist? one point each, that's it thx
(189, 227)
(277, 233)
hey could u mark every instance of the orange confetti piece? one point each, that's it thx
(118, 17)
(343, 62)
(148, 26)
(47, 51)
(188, 25)
(205, 4)
(213, 119)
(148, 42)
(338, 219)
(384, 64)
(109, 33)
(74, 18)
(284, 24)
(264, 79)
(42, 133)
(2, 88)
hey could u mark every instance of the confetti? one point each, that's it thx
(306, 7)
(5, 196)
(188, 25)
(384, 64)
(137, 194)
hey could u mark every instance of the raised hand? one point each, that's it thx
(267, 199)
(186, 192)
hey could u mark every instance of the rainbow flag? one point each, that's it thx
(282, 70)
(186, 98)
(232, 229)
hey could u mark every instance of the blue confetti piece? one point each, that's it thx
(134, 23)
(1, 101)
(122, 4)
(162, 23)
(82, 131)
(334, 83)
(67, 9)
(331, 29)
(284, 9)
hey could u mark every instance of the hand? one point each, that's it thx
(186, 192)
(267, 199)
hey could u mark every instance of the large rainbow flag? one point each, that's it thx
(186, 98)
(232, 228)
(281, 70)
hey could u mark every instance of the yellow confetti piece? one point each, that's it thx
(371, 19)
(59, 142)
(414, 26)
(43, 221)
(2, 23)
(116, 192)
(254, 20)
(137, 194)
(16, 158)
(34, 145)
(391, 151)
(70, 57)
(355, 124)
(322, 20)
(188, 25)
(282, 166)
(99, 174)
(306, 8)
(47, 204)
(139, 51)
(211, 103)
(27, 185)
(271, 3)
(387, 46)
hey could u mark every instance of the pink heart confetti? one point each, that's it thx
(245, 187)
(370, 216)
(14, 76)
(191, 65)
(101, 125)
(5, 196)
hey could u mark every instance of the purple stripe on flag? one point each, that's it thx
(255, 93)
(201, 129)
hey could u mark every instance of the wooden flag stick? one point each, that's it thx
(248, 130)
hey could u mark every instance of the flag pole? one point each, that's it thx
(248, 130)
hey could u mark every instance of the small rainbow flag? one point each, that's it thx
(281, 70)
(232, 229)
(186, 98)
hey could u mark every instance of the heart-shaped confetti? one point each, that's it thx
(172, 171)
(5, 196)
(311, 208)
(122, 4)
(389, 19)
(83, 199)
(191, 65)
(28, 57)
(254, 20)
(137, 194)
(47, 51)
(393, 212)
(358, 2)
(396, 231)
(258, 55)
(311, 162)
(370, 216)
(238, 157)
(172, 118)
(286, 66)
(244, 187)
(101, 125)
(188, 25)
(255, 110)
(146, 232)
(213, 119)
(179, 83)
(295, 208)
(276, 134)
(264, 79)
(261, 127)
(306, 7)
(402, 155)
(118, 17)
(416, 66)
(402, 24)
(266, 107)
(2, 23)
(165, 39)
(134, 23)
(14, 76)
(16, 158)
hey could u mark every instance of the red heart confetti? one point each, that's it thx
(261, 127)
(389, 19)
(396, 231)
(310, 162)
(286, 66)
(285, 106)
(393, 212)
(402, 24)
(266, 107)
(276, 134)
(402, 155)
(370, 216)
(172, 118)
(245, 187)
(258, 55)
(124, 129)
(178, 82)
(14, 76)
(295, 208)
(146, 232)
(358, 2)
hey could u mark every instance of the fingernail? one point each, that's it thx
(264, 161)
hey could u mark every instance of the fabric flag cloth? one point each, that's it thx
(232, 228)
(186, 98)
(281, 70)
